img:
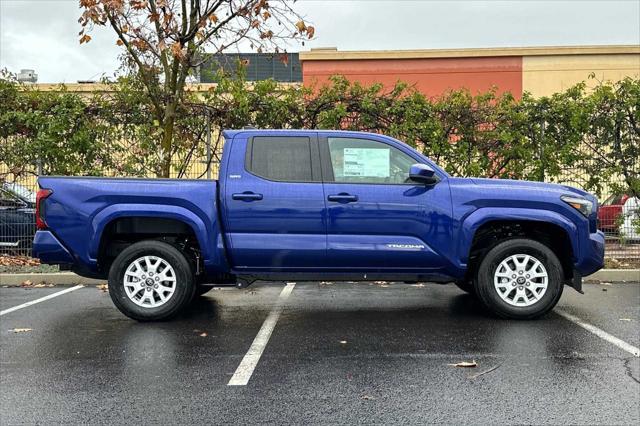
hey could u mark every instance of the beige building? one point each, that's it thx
(538, 70)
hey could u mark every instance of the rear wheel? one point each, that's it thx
(150, 281)
(520, 279)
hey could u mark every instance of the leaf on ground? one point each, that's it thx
(103, 287)
(482, 373)
(21, 330)
(465, 364)
(18, 261)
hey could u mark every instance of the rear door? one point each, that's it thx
(377, 219)
(274, 202)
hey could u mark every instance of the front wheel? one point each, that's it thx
(151, 281)
(520, 279)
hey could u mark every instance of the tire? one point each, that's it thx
(466, 286)
(495, 280)
(159, 281)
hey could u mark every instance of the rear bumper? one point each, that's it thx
(591, 256)
(50, 250)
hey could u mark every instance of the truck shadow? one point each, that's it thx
(201, 308)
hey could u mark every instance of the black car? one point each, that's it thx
(17, 219)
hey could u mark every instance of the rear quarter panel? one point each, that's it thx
(79, 209)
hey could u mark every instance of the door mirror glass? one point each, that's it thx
(423, 174)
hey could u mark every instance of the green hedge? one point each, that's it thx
(590, 137)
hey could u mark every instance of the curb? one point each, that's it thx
(55, 278)
(614, 275)
(70, 279)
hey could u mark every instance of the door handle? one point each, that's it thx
(247, 196)
(343, 197)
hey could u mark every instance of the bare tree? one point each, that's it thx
(165, 41)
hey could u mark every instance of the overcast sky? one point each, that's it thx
(42, 34)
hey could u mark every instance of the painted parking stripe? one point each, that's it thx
(42, 299)
(248, 364)
(600, 333)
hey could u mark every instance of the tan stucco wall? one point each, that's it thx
(545, 75)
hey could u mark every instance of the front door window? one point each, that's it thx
(367, 161)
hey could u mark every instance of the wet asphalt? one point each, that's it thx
(340, 353)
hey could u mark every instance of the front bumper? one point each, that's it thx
(591, 256)
(50, 250)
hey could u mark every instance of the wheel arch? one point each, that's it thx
(186, 222)
(486, 229)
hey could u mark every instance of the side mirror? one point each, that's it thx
(423, 174)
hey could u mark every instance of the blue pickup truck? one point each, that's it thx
(319, 205)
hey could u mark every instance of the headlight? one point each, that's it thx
(583, 205)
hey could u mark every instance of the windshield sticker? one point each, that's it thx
(370, 162)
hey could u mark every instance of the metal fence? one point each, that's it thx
(617, 214)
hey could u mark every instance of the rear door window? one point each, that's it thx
(280, 158)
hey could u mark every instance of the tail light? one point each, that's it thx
(40, 210)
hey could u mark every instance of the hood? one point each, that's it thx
(509, 184)
(523, 192)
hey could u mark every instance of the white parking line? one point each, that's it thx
(42, 299)
(600, 333)
(248, 364)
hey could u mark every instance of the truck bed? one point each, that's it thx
(80, 208)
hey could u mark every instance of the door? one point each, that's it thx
(274, 202)
(377, 219)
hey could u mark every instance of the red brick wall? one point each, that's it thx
(431, 76)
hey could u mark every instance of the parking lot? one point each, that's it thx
(321, 352)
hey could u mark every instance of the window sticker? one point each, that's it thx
(370, 162)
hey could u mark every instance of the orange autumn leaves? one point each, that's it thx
(157, 27)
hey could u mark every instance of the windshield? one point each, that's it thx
(21, 191)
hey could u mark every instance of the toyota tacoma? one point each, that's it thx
(319, 205)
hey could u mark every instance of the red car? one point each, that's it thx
(610, 211)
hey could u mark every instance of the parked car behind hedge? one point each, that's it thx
(630, 224)
(17, 219)
(610, 211)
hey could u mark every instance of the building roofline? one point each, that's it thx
(106, 88)
(333, 54)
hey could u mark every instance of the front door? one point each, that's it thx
(377, 219)
(274, 203)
